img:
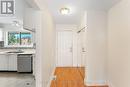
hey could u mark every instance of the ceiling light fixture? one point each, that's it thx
(64, 11)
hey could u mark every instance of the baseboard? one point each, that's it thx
(85, 81)
(110, 83)
(52, 77)
(96, 83)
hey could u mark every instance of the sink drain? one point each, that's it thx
(28, 84)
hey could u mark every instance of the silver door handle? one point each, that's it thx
(83, 50)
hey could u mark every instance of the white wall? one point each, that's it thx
(96, 47)
(119, 44)
(45, 44)
(47, 47)
(83, 20)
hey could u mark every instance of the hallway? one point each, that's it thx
(68, 77)
(83, 33)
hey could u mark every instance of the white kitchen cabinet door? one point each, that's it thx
(29, 19)
(3, 62)
(12, 65)
(1, 35)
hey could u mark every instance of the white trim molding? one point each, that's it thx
(110, 83)
(95, 83)
(52, 77)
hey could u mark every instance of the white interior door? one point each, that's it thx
(65, 49)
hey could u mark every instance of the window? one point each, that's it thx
(13, 38)
(25, 38)
(19, 39)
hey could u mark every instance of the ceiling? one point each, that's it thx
(76, 8)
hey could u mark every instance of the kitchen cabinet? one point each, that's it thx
(1, 35)
(8, 62)
(29, 19)
(16, 62)
(3, 62)
(12, 62)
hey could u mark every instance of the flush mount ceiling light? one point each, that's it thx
(64, 11)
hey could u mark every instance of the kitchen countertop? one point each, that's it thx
(24, 52)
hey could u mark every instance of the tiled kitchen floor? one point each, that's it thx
(12, 79)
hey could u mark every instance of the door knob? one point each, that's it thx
(83, 50)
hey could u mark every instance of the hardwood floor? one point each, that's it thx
(69, 77)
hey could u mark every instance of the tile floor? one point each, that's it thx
(12, 79)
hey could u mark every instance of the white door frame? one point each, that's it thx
(82, 48)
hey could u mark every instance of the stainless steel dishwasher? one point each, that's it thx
(24, 63)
